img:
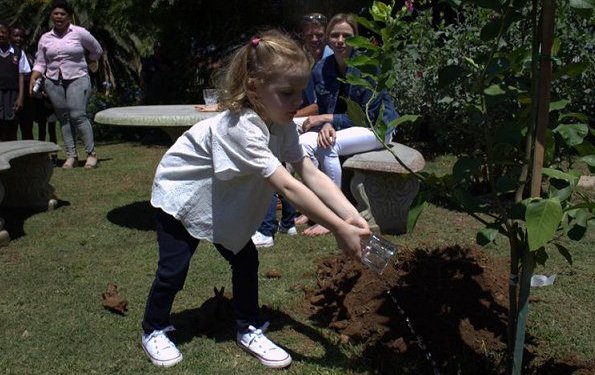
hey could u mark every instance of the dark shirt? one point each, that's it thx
(329, 90)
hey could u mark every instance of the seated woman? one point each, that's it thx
(331, 133)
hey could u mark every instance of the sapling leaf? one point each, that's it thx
(418, 205)
(542, 217)
(403, 119)
(362, 60)
(379, 126)
(380, 11)
(358, 81)
(564, 252)
(560, 189)
(368, 24)
(355, 113)
(486, 236)
(361, 42)
(572, 178)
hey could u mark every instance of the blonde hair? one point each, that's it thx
(260, 60)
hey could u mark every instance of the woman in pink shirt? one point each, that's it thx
(61, 58)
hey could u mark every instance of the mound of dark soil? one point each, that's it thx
(444, 309)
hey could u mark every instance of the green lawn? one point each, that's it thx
(53, 274)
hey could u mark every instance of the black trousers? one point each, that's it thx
(176, 247)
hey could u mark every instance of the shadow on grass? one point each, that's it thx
(137, 215)
(215, 319)
(15, 218)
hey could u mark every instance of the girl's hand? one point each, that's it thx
(327, 136)
(349, 239)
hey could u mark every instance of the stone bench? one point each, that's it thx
(383, 189)
(25, 172)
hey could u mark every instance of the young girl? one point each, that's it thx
(13, 66)
(216, 182)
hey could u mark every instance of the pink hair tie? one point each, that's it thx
(255, 41)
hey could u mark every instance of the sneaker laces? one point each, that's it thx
(162, 342)
(257, 335)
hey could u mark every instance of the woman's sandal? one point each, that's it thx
(91, 161)
(69, 163)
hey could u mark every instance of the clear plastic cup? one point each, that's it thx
(377, 252)
(210, 96)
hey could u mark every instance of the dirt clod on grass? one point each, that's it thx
(113, 301)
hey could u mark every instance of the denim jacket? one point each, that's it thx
(325, 75)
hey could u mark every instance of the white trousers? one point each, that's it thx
(348, 141)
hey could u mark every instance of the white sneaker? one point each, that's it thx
(260, 240)
(255, 342)
(291, 231)
(160, 349)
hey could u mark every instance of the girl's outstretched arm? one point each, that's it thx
(329, 208)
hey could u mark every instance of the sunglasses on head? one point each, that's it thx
(315, 17)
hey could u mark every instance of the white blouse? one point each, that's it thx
(213, 179)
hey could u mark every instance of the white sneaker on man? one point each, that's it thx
(260, 240)
(161, 351)
(289, 231)
(257, 344)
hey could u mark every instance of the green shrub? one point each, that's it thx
(430, 46)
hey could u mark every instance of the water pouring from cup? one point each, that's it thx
(376, 252)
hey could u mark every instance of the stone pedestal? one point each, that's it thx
(383, 188)
(27, 183)
(25, 172)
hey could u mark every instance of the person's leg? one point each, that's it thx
(26, 130)
(10, 130)
(41, 129)
(250, 333)
(3, 132)
(309, 143)
(244, 279)
(52, 131)
(269, 225)
(349, 141)
(57, 94)
(176, 247)
(288, 214)
(25, 118)
(8, 125)
(78, 92)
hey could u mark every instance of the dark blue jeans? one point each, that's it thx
(176, 247)
(270, 225)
